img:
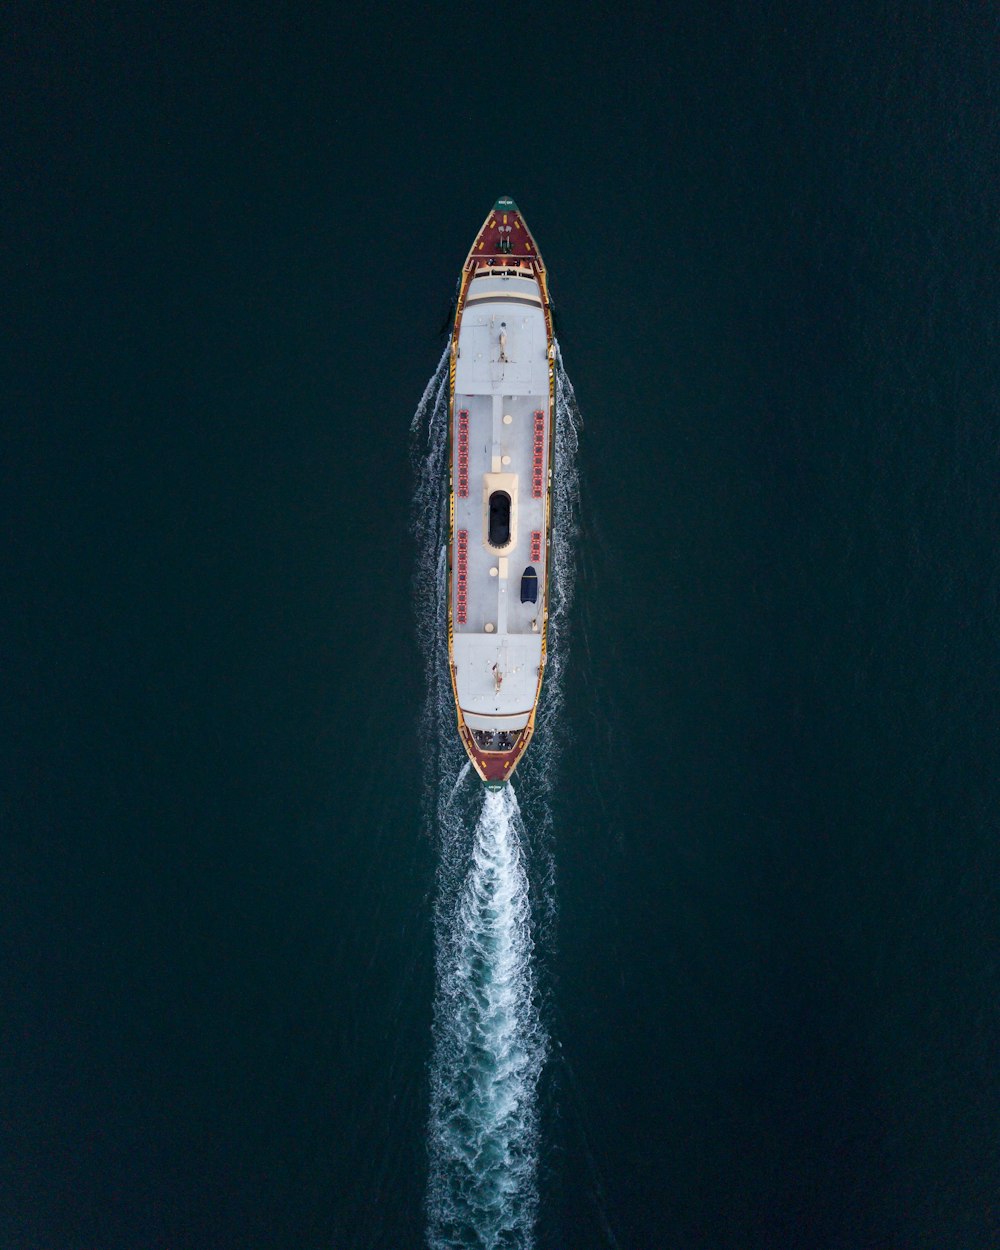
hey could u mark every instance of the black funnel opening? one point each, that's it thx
(499, 518)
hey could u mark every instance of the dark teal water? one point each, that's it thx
(771, 984)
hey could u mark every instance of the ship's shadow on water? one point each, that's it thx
(495, 904)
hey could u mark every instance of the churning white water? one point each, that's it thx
(494, 885)
(489, 1044)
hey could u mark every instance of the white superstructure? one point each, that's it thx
(501, 428)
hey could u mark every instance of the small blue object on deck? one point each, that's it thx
(529, 585)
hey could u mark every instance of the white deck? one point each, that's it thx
(490, 388)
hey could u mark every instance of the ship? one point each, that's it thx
(501, 458)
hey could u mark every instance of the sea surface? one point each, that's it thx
(737, 919)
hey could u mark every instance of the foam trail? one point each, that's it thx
(494, 884)
(428, 451)
(489, 1048)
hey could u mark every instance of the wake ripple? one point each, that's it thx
(495, 886)
(489, 1047)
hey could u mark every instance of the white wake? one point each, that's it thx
(489, 1044)
(495, 903)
